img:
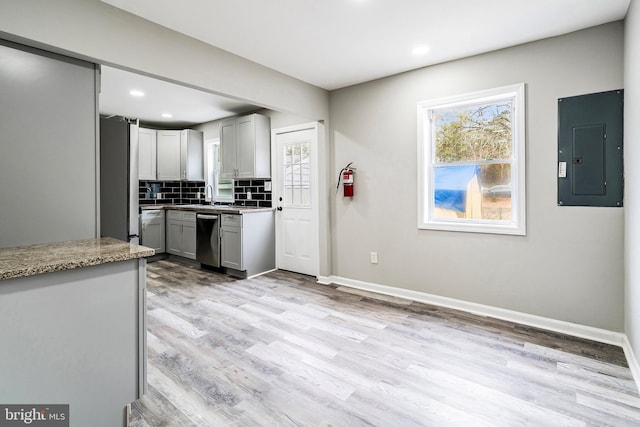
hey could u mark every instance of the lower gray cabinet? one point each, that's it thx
(181, 233)
(231, 245)
(248, 243)
(152, 229)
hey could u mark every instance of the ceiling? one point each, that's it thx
(338, 43)
(187, 106)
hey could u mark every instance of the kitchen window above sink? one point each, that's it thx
(217, 189)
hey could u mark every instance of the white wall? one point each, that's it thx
(632, 176)
(569, 266)
(101, 33)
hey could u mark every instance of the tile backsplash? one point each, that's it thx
(186, 192)
(256, 188)
(172, 192)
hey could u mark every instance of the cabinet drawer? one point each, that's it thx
(177, 215)
(189, 216)
(154, 214)
(231, 220)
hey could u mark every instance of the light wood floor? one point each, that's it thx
(281, 350)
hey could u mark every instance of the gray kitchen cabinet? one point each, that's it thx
(152, 229)
(181, 233)
(179, 155)
(191, 155)
(168, 155)
(248, 243)
(245, 147)
(147, 144)
(231, 245)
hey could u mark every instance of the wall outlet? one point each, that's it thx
(374, 257)
(159, 196)
(248, 195)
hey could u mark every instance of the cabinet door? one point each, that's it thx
(232, 248)
(189, 239)
(168, 167)
(146, 154)
(174, 237)
(191, 155)
(228, 139)
(153, 234)
(246, 153)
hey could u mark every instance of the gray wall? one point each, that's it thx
(632, 176)
(47, 148)
(107, 35)
(71, 337)
(568, 267)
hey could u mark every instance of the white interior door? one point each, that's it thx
(296, 199)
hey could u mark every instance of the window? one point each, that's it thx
(297, 173)
(222, 188)
(471, 168)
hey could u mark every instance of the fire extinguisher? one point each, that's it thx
(346, 174)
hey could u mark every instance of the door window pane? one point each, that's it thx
(297, 175)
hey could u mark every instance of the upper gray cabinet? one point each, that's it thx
(147, 154)
(179, 155)
(245, 147)
(169, 155)
(191, 159)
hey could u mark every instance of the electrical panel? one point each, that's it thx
(590, 146)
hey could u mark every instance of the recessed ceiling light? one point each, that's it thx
(167, 115)
(420, 50)
(137, 93)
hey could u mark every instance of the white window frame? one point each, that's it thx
(426, 219)
(215, 197)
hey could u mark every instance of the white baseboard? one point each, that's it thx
(631, 360)
(324, 280)
(574, 329)
(568, 328)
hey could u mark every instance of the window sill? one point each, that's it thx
(474, 227)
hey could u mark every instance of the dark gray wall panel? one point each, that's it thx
(47, 147)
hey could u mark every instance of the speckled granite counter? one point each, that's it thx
(47, 257)
(218, 209)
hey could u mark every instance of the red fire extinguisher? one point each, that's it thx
(346, 174)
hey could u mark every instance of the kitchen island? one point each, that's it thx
(73, 327)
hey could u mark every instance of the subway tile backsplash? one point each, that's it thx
(255, 187)
(186, 192)
(172, 192)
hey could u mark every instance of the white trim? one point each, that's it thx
(324, 280)
(631, 360)
(568, 328)
(260, 274)
(517, 225)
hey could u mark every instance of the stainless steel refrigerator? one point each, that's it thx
(119, 178)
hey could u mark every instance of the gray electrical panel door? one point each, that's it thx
(590, 149)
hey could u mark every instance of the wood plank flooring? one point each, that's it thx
(281, 350)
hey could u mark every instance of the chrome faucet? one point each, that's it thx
(206, 191)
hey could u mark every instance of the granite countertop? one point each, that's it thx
(48, 257)
(240, 210)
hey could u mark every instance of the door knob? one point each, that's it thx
(279, 208)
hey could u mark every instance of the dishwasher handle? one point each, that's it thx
(205, 216)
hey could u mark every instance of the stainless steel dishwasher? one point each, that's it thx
(208, 239)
